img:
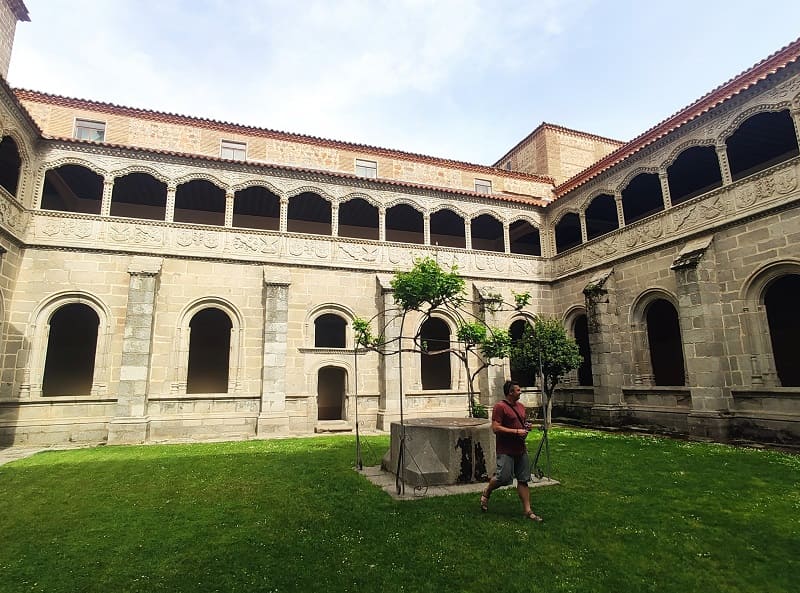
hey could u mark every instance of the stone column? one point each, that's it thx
(273, 416)
(700, 316)
(795, 113)
(426, 228)
(108, 189)
(665, 193)
(491, 380)
(467, 233)
(334, 220)
(170, 213)
(130, 421)
(382, 223)
(229, 197)
(506, 237)
(284, 215)
(724, 167)
(389, 369)
(582, 222)
(620, 209)
(606, 349)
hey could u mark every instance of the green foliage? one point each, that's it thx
(363, 333)
(634, 514)
(521, 300)
(497, 344)
(479, 411)
(546, 342)
(427, 283)
(471, 333)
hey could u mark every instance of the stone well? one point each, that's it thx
(442, 451)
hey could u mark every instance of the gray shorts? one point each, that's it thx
(513, 466)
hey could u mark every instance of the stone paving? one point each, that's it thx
(386, 481)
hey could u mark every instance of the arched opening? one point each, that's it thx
(784, 327)
(256, 208)
(666, 347)
(405, 224)
(200, 202)
(358, 219)
(581, 332)
(331, 385)
(309, 213)
(601, 216)
(487, 233)
(761, 141)
(71, 350)
(642, 197)
(209, 352)
(447, 229)
(524, 376)
(694, 172)
(139, 195)
(524, 238)
(568, 232)
(435, 368)
(72, 188)
(10, 165)
(330, 331)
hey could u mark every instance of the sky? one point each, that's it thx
(456, 79)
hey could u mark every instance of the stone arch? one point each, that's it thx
(448, 230)
(361, 195)
(693, 171)
(359, 217)
(758, 343)
(11, 165)
(138, 194)
(39, 334)
(182, 345)
(49, 170)
(525, 236)
(576, 321)
(314, 215)
(746, 114)
(516, 327)
(311, 190)
(257, 183)
(201, 175)
(600, 215)
(152, 171)
(637, 202)
(487, 233)
(25, 152)
(746, 149)
(347, 314)
(567, 230)
(403, 228)
(683, 147)
(436, 332)
(644, 346)
(330, 383)
(200, 199)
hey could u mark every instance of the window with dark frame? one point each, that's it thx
(483, 186)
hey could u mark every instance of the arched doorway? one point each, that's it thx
(209, 352)
(666, 347)
(71, 349)
(784, 327)
(331, 385)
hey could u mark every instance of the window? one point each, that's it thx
(366, 168)
(482, 186)
(235, 151)
(90, 130)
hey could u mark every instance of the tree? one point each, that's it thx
(546, 349)
(426, 289)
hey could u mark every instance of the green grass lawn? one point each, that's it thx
(632, 513)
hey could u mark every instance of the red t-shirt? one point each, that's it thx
(509, 444)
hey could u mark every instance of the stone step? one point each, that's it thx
(333, 426)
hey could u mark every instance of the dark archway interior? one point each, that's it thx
(139, 195)
(331, 382)
(309, 213)
(71, 348)
(601, 216)
(447, 229)
(10, 165)
(524, 238)
(581, 330)
(784, 327)
(694, 172)
(762, 140)
(435, 368)
(72, 188)
(358, 219)
(404, 224)
(200, 202)
(525, 377)
(209, 352)
(256, 208)
(330, 331)
(568, 232)
(642, 197)
(666, 348)
(487, 233)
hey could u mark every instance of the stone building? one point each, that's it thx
(170, 277)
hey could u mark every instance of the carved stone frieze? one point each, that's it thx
(602, 249)
(645, 233)
(12, 217)
(688, 217)
(359, 252)
(193, 238)
(308, 248)
(785, 91)
(489, 263)
(255, 244)
(66, 228)
(568, 263)
(135, 234)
